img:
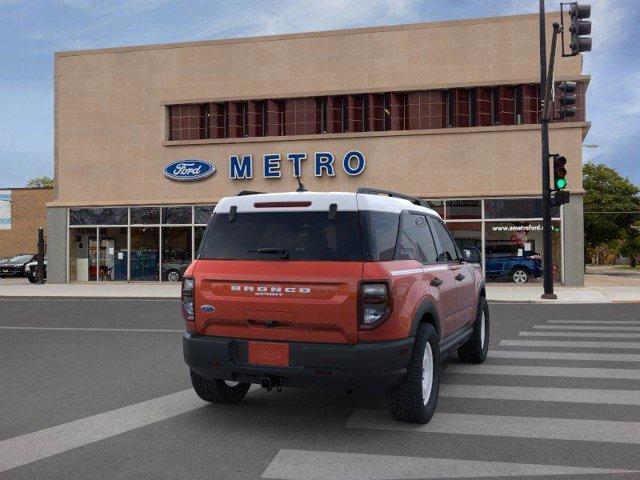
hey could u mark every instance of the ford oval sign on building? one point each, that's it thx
(189, 170)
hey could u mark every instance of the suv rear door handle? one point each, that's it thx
(459, 277)
(436, 282)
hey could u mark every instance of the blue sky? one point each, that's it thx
(31, 30)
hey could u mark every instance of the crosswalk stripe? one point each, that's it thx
(538, 394)
(581, 334)
(322, 465)
(622, 373)
(561, 343)
(595, 357)
(504, 426)
(34, 446)
(587, 327)
(598, 322)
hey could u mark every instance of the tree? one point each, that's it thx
(631, 246)
(40, 182)
(611, 205)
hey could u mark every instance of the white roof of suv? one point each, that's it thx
(318, 201)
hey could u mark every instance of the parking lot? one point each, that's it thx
(97, 389)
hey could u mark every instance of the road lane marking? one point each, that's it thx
(598, 322)
(587, 327)
(594, 357)
(569, 344)
(34, 446)
(83, 329)
(539, 394)
(504, 426)
(320, 465)
(622, 373)
(581, 334)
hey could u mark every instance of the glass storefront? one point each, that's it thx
(158, 243)
(147, 244)
(507, 232)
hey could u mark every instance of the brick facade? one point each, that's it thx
(28, 212)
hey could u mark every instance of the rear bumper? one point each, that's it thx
(376, 367)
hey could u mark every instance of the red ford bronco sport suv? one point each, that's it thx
(358, 291)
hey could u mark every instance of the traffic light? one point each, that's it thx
(559, 172)
(559, 198)
(580, 26)
(567, 98)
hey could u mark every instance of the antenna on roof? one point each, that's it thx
(301, 187)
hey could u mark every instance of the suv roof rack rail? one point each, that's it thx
(388, 193)
(247, 192)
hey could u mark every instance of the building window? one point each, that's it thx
(388, 111)
(275, 118)
(98, 216)
(217, 120)
(530, 104)
(515, 208)
(426, 110)
(187, 122)
(300, 116)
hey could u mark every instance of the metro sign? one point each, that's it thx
(241, 166)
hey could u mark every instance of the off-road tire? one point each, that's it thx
(406, 403)
(217, 391)
(475, 350)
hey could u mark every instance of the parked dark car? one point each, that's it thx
(14, 267)
(518, 269)
(173, 271)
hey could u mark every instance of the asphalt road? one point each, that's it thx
(97, 389)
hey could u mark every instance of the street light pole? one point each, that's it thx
(546, 191)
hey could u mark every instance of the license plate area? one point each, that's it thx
(269, 353)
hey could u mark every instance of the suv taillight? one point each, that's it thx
(375, 304)
(187, 298)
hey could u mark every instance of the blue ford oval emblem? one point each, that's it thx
(189, 170)
(208, 308)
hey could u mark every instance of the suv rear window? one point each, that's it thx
(303, 235)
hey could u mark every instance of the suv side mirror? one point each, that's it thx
(471, 255)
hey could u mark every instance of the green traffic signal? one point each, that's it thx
(561, 183)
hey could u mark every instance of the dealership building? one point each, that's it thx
(149, 138)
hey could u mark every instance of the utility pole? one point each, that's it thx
(547, 258)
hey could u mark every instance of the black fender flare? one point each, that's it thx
(426, 307)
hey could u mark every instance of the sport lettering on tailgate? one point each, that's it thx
(269, 290)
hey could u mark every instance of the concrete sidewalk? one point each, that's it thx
(496, 292)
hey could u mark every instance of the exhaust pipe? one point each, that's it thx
(268, 383)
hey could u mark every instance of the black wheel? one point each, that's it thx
(218, 391)
(519, 275)
(415, 400)
(32, 279)
(475, 350)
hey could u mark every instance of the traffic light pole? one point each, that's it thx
(546, 190)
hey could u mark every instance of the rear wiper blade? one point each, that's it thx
(283, 252)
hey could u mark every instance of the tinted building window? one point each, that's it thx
(187, 122)
(176, 215)
(98, 216)
(145, 215)
(516, 208)
(203, 213)
(463, 209)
